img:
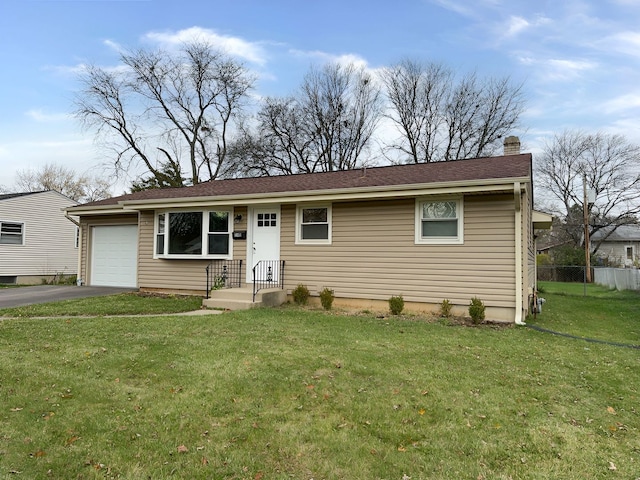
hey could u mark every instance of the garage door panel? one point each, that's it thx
(114, 256)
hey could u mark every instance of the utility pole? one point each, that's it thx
(585, 208)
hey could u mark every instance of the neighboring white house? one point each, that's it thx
(37, 241)
(621, 248)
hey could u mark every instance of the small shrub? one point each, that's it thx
(445, 308)
(326, 298)
(218, 283)
(476, 310)
(396, 304)
(300, 294)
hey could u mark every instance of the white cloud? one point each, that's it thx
(622, 103)
(627, 43)
(40, 116)
(250, 51)
(115, 46)
(556, 69)
(516, 25)
(325, 57)
(629, 127)
(457, 6)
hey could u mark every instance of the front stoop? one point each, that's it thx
(242, 298)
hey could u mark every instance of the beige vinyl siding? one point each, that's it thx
(373, 254)
(175, 274)
(49, 237)
(85, 235)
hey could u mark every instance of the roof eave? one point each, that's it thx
(360, 193)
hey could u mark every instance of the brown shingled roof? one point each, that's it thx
(510, 166)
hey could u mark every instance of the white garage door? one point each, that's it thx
(114, 256)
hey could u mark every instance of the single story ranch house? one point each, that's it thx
(448, 230)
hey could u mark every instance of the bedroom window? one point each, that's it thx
(313, 224)
(193, 234)
(439, 221)
(11, 233)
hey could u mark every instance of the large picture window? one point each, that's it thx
(439, 221)
(313, 224)
(193, 234)
(11, 233)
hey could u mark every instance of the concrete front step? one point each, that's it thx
(242, 298)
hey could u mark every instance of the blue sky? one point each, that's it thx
(578, 59)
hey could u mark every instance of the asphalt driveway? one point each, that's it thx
(20, 296)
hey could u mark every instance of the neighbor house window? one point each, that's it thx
(629, 251)
(439, 221)
(193, 234)
(313, 224)
(11, 233)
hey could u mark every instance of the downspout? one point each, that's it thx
(77, 224)
(517, 198)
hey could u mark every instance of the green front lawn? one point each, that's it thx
(294, 393)
(121, 304)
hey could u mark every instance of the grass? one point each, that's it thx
(603, 314)
(297, 393)
(121, 304)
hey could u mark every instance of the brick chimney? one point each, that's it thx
(511, 146)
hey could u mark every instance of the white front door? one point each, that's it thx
(264, 244)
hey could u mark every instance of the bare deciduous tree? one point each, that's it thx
(81, 188)
(441, 118)
(161, 108)
(610, 166)
(326, 126)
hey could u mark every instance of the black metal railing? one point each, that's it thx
(267, 274)
(224, 274)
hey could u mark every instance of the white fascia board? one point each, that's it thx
(103, 210)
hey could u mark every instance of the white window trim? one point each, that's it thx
(457, 240)
(205, 235)
(23, 232)
(299, 239)
(633, 253)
